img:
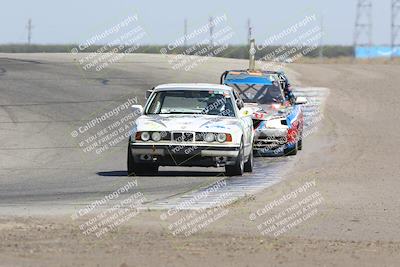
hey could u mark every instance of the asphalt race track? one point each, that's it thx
(45, 98)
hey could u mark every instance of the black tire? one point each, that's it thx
(291, 151)
(300, 144)
(135, 168)
(131, 162)
(249, 165)
(238, 168)
(146, 169)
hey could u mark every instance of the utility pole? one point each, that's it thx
(185, 33)
(29, 27)
(211, 24)
(363, 24)
(249, 31)
(252, 53)
(395, 28)
(321, 43)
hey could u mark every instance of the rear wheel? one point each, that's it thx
(300, 144)
(238, 168)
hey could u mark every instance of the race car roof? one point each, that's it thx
(191, 86)
(249, 77)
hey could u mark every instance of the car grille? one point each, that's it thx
(269, 142)
(200, 136)
(185, 137)
(182, 137)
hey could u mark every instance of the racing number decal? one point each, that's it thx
(258, 115)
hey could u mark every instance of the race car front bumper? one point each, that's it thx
(185, 154)
(269, 139)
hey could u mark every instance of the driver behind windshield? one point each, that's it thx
(217, 105)
(191, 102)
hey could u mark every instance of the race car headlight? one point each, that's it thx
(209, 137)
(145, 136)
(221, 137)
(156, 136)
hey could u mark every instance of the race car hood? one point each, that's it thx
(266, 112)
(192, 123)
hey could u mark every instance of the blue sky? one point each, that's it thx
(74, 21)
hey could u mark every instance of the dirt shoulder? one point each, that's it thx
(351, 159)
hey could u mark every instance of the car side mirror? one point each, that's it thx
(137, 109)
(300, 100)
(148, 93)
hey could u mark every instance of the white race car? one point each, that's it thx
(191, 125)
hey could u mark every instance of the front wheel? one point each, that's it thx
(146, 169)
(291, 151)
(238, 168)
(135, 168)
(130, 163)
(249, 165)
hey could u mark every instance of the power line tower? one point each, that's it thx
(249, 31)
(29, 27)
(363, 24)
(211, 24)
(185, 33)
(395, 43)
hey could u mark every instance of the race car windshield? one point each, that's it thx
(211, 102)
(262, 94)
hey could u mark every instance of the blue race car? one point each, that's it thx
(277, 114)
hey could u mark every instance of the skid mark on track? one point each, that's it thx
(2, 71)
(267, 172)
(12, 60)
(235, 187)
(10, 114)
